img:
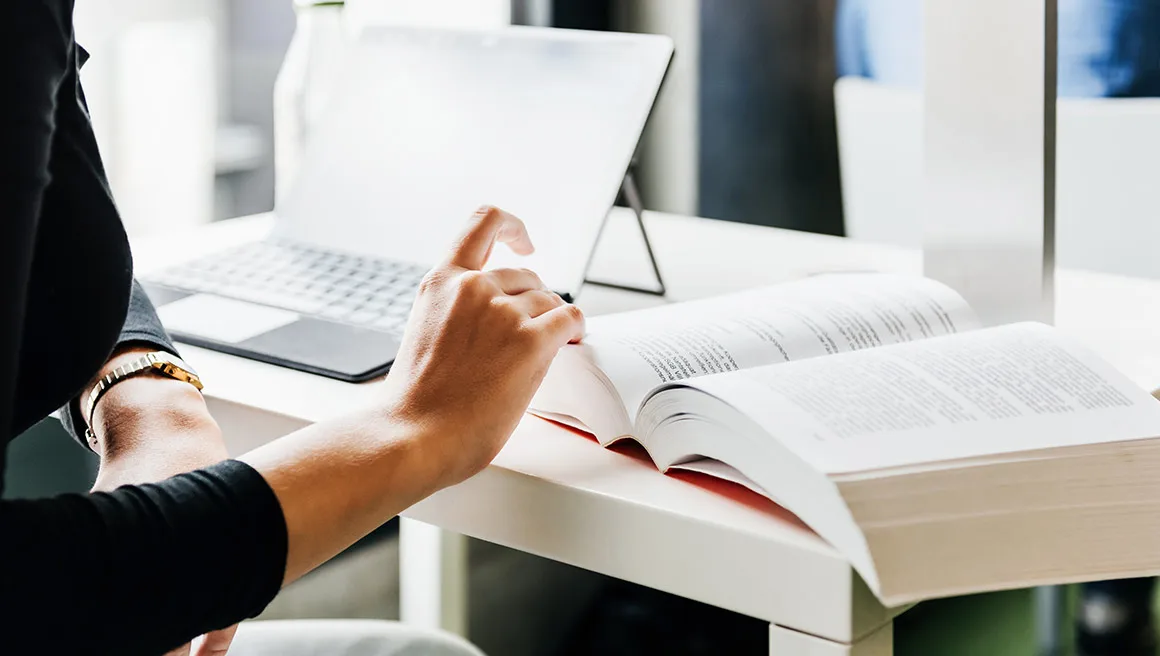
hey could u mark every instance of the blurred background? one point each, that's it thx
(748, 129)
(745, 130)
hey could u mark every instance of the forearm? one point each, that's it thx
(338, 481)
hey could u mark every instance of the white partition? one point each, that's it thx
(166, 124)
(989, 146)
(1107, 155)
(439, 13)
(126, 85)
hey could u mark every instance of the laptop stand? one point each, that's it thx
(631, 194)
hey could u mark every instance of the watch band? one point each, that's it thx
(159, 361)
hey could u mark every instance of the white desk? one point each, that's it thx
(554, 493)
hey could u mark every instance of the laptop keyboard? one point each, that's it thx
(351, 289)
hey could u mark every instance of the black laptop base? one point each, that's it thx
(313, 345)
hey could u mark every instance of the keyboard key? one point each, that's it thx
(242, 292)
(295, 303)
(398, 310)
(308, 280)
(335, 311)
(362, 317)
(394, 324)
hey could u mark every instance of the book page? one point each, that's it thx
(999, 390)
(718, 469)
(817, 316)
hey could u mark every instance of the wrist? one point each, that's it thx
(400, 442)
(152, 429)
(138, 397)
(426, 446)
(143, 404)
(150, 408)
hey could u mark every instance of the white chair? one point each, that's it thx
(345, 638)
(1107, 163)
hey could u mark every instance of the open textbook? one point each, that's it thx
(938, 457)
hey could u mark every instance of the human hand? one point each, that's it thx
(476, 348)
(150, 428)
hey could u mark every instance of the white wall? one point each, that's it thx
(99, 22)
(155, 91)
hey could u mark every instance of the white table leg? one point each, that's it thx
(787, 642)
(432, 577)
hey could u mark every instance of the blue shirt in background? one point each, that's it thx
(1107, 48)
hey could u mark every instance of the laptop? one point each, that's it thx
(425, 126)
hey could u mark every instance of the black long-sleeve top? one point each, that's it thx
(145, 568)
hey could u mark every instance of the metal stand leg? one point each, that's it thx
(631, 195)
(432, 577)
(1050, 617)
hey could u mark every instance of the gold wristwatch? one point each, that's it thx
(157, 361)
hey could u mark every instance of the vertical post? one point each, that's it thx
(432, 577)
(1050, 612)
(532, 12)
(989, 214)
(671, 141)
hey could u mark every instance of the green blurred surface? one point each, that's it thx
(45, 462)
(998, 624)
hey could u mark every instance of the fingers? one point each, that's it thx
(489, 225)
(563, 324)
(216, 643)
(560, 321)
(516, 281)
(536, 302)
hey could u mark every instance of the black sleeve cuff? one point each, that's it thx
(142, 324)
(260, 546)
(143, 327)
(141, 569)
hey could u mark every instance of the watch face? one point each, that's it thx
(175, 367)
(184, 365)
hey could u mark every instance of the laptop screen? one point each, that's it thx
(427, 125)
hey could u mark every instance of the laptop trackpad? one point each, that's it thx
(324, 346)
(279, 336)
(222, 319)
